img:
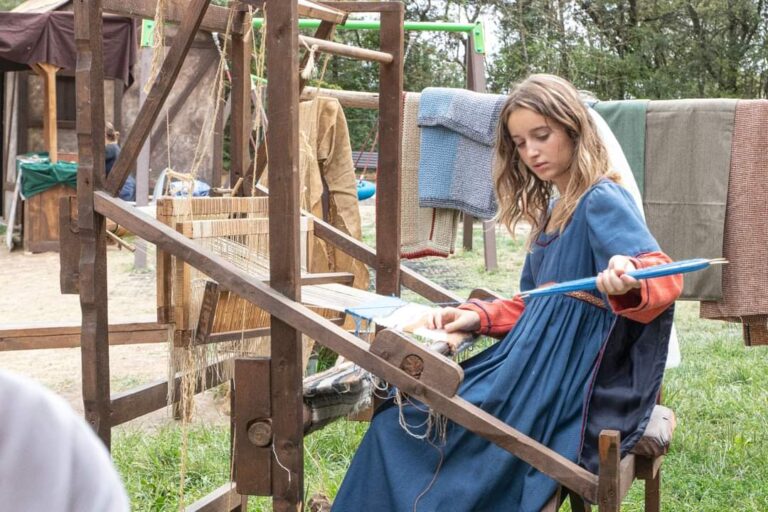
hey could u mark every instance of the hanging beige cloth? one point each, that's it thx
(326, 162)
(687, 161)
(424, 231)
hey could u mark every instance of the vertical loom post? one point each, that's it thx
(89, 80)
(388, 174)
(286, 341)
(240, 129)
(143, 160)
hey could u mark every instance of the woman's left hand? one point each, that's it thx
(614, 279)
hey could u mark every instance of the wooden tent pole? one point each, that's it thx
(50, 124)
(284, 250)
(89, 82)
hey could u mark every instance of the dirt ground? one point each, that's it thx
(31, 296)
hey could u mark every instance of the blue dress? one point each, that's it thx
(538, 380)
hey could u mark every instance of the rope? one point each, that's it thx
(158, 44)
(309, 69)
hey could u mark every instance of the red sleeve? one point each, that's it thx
(497, 318)
(654, 295)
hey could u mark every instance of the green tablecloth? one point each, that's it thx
(38, 176)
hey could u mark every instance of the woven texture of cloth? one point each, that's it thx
(337, 392)
(745, 278)
(423, 231)
(687, 161)
(456, 153)
(755, 330)
(627, 122)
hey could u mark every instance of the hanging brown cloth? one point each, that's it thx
(687, 161)
(745, 278)
(326, 163)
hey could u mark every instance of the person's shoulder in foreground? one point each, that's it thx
(50, 459)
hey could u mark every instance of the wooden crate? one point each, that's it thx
(41, 219)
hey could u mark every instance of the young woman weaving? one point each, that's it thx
(568, 366)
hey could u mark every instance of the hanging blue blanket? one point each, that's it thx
(458, 133)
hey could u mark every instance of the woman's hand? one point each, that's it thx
(453, 319)
(614, 279)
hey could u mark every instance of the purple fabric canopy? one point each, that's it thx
(30, 38)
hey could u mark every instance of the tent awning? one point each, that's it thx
(30, 38)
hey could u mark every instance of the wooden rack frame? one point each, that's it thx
(281, 298)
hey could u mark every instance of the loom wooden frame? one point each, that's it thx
(280, 298)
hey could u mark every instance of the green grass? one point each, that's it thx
(719, 455)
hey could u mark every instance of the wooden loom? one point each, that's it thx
(265, 432)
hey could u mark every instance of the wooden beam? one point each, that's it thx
(69, 246)
(362, 252)
(215, 19)
(253, 426)
(344, 50)
(89, 83)
(240, 127)
(137, 402)
(144, 66)
(385, 6)
(626, 475)
(647, 468)
(220, 337)
(50, 127)
(390, 138)
(284, 252)
(351, 99)
(328, 277)
(223, 499)
(207, 313)
(142, 126)
(27, 337)
(434, 370)
(347, 345)
(309, 9)
(609, 483)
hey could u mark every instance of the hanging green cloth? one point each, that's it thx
(627, 122)
(39, 177)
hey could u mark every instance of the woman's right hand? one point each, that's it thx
(453, 319)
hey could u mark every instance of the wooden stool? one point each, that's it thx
(617, 475)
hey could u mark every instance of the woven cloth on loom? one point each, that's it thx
(457, 138)
(745, 279)
(424, 231)
(687, 160)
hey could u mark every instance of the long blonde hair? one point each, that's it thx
(520, 193)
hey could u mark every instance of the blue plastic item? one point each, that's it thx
(590, 283)
(365, 189)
